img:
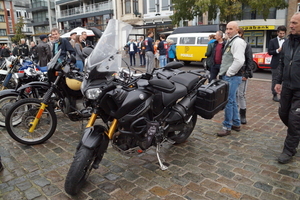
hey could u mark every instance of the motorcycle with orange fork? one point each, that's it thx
(33, 121)
(138, 112)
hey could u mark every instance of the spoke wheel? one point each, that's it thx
(21, 114)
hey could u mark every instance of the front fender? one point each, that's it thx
(8, 92)
(34, 84)
(95, 136)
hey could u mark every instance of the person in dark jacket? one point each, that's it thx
(162, 49)
(141, 51)
(61, 43)
(5, 53)
(288, 86)
(246, 73)
(274, 49)
(85, 42)
(132, 51)
(214, 55)
(33, 52)
(44, 55)
(149, 52)
(23, 48)
(15, 49)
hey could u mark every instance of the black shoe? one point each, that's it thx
(275, 98)
(284, 158)
(1, 166)
(243, 116)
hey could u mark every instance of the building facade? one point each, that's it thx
(42, 17)
(77, 13)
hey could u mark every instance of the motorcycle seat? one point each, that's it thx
(186, 79)
(169, 98)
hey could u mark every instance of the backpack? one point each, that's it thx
(249, 64)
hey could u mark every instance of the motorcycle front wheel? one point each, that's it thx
(21, 114)
(182, 135)
(79, 170)
(5, 103)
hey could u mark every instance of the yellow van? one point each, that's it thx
(190, 47)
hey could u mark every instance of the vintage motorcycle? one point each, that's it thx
(138, 111)
(33, 121)
(27, 82)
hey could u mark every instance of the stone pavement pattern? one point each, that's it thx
(240, 166)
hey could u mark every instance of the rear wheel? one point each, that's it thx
(182, 136)
(5, 104)
(18, 122)
(79, 170)
(255, 67)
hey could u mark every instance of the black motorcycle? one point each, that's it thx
(138, 111)
(33, 121)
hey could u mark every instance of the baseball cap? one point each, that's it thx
(43, 37)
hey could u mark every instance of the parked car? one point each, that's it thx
(262, 60)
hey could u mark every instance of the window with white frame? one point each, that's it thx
(127, 6)
(165, 5)
(8, 12)
(159, 5)
(152, 6)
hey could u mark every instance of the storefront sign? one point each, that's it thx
(263, 27)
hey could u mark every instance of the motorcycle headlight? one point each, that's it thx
(93, 93)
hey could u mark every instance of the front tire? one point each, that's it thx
(79, 170)
(21, 114)
(181, 136)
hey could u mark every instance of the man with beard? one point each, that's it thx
(288, 86)
(61, 44)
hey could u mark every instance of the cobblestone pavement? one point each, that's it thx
(240, 166)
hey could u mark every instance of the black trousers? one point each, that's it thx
(289, 113)
(274, 75)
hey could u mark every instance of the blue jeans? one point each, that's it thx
(232, 116)
(162, 60)
(79, 65)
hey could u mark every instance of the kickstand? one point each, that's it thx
(162, 166)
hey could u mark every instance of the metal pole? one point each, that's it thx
(49, 15)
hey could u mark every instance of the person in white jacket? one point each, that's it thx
(232, 61)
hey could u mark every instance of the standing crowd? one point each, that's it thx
(232, 60)
(48, 46)
(152, 54)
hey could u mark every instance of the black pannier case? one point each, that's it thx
(211, 98)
